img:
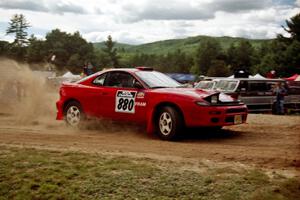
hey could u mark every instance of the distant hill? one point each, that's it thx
(100, 45)
(187, 45)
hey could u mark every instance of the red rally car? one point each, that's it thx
(148, 97)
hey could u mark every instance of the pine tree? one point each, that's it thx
(293, 28)
(18, 26)
(111, 51)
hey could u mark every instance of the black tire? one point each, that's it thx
(169, 124)
(73, 114)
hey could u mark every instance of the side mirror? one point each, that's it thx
(137, 85)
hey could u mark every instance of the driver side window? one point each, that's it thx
(120, 79)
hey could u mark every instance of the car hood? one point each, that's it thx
(188, 92)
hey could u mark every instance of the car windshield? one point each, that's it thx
(205, 85)
(226, 85)
(157, 80)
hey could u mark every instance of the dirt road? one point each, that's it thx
(266, 141)
(27, 118)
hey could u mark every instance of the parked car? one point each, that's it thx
(145, 96)
(206, 85)
(258, 94)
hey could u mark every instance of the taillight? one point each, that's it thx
(61, 92)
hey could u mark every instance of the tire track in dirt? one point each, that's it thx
(248, 144)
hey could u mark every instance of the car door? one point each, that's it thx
(258, 96)
(94, 96)
(121, 100)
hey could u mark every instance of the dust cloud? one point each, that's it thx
(25, 94)
(110, 126)
(30, 100)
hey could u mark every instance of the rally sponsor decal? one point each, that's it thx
(142, 104)
(125, 101)
(140, 95)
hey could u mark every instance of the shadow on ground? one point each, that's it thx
(210, 134)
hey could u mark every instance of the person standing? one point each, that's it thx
(271, 74)
(88, 69)
(280, 92)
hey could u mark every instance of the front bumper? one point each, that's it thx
(217, 116)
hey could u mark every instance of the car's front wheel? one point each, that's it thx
(73, 114)
(169, 123)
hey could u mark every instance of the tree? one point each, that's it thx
(74, 60)
(290, 51)
(293, 28)
(292, 58)
(71, 50)
(243, 56)
(218, 68)
(111, 52)
(4, 46)
(231, 55)
(36, 51)
(283, 54)
(267, 63)
(182, 63)
(207, 52)
(18, 26)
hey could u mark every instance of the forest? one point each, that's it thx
(202, 55)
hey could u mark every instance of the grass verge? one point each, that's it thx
(42, 174)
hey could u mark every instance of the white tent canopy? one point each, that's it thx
(232, 76)
(258, 76)
(70, 75)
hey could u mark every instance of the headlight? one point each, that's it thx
(202, 103)
(214, 99)
(226, 98)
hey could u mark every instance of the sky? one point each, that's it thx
(144, 21)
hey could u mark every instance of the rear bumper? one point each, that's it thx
(59, 113)
(217, 116)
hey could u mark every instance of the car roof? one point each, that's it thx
(105, 70)
(117, 69)
(132, 70)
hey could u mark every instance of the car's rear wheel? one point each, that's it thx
(169, 123)
(73, 114)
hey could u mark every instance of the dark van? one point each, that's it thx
(258, 94)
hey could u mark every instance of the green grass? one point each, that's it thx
(42, 174)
